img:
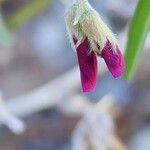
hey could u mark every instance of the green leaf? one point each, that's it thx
(26, 13)
(137, 35)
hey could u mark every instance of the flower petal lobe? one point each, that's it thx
(114, 60)
(88, 66)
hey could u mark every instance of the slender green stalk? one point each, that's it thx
(26, 13)
(137, 35)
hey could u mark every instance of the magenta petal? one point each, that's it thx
(88, 66)
(114, 60)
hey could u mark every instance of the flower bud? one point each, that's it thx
(89, 35)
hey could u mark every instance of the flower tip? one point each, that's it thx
(118, 72)
(88, 87)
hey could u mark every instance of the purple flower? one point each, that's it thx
(90, 36)
(88, 63)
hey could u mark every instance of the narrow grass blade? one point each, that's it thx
(137, 35)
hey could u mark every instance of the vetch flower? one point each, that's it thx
(91, 37)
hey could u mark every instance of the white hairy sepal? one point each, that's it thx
(95, 29)
(74, 29)
(84, 22)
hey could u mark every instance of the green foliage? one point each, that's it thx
(137, 35)
(26, 13)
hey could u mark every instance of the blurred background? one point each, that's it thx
(42, 106)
